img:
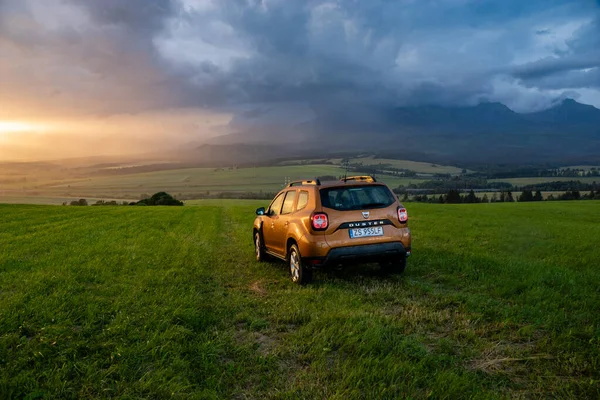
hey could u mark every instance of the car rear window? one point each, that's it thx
(356, 197)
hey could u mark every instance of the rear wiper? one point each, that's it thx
(370, 205)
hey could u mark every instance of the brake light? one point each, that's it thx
(402, 215)
(319, 221)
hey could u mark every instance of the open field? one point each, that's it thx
(187, 181)
(419, 167)
(499, 300)
(53, 183)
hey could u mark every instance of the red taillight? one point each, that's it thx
(319, 221)
(402, 215)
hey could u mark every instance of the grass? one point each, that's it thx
(419, 167)
(55, 185)
(498, 301)
(196, 180)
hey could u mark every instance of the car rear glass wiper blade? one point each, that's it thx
(370, 205)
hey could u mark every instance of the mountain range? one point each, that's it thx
(487, 133)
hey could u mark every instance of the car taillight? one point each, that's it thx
(402, 215)
(319, 221)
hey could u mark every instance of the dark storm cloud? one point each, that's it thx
(115, 56)
(551, 66)
(95, 57)
(392, 52)
(576, 67)
(139, 16)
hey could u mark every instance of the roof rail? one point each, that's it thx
(364, 178)
(314, 182)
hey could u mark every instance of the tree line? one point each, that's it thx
(157, 199)
(454, 196)
(479, 184)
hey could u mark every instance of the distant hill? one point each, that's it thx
(487, 133)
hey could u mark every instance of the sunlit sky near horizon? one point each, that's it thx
(84, 77)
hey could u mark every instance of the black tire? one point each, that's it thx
(259, 247)
(395, 265)
(299, 273)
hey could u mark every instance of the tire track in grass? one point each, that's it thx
(248, 327)
(200, 313)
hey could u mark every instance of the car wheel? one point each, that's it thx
(259, 248)
(298, 271)
(396, 265)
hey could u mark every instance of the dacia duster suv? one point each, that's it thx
(310, 224)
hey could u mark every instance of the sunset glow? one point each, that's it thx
(19, 126)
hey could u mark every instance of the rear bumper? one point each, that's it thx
(363, 253)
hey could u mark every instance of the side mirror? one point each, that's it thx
(260, 211)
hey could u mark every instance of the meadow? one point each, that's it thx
(498, 301)
(54, 183)
(417, 166)
(185, 181)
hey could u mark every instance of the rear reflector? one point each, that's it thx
(402, 215)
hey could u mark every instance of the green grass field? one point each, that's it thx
(51, 185)
(200, 180)
(498, 301)
(419, 167)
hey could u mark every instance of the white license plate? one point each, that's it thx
(364, 232)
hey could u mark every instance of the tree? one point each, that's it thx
(80, 202)
(471, 197)
(526, 195)
(453, 197)
(538, 196)
(485, 199)
(160, 199)
(509, 196)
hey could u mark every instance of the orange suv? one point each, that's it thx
(311, 224)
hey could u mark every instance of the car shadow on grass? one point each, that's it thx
(349, 273)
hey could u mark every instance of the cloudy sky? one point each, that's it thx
(82, 77)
